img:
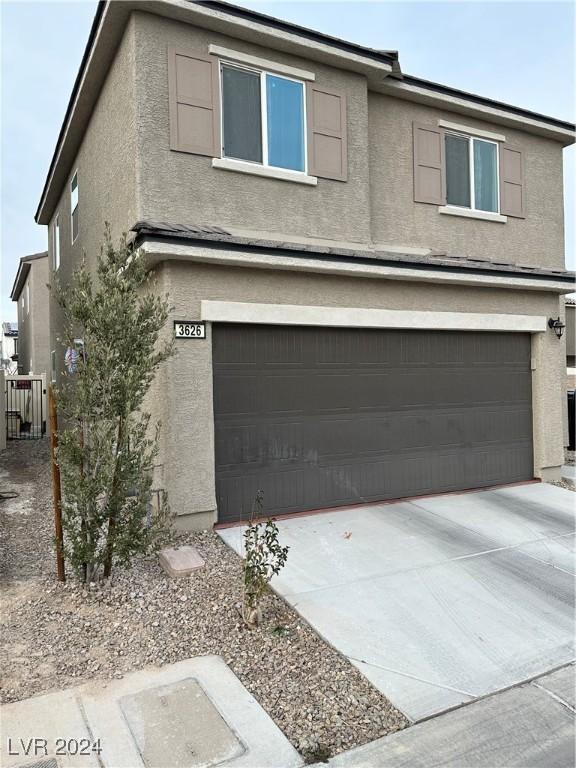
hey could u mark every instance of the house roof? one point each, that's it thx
(107, 30)
(217, 236)
(10, 329)
(24, 267)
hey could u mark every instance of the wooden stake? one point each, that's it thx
(56, 490)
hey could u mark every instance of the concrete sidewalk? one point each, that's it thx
(193, 714)
(531, 726)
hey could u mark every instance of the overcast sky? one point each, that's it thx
(521, 53)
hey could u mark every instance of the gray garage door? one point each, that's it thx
(324, 417)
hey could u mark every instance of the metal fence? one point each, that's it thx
(25, 404)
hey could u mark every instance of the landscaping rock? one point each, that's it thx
(57, 635)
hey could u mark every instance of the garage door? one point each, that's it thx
(324, 417)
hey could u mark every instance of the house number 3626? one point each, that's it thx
(187, 329)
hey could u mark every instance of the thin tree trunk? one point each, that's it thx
(83, 526)
(112, 516)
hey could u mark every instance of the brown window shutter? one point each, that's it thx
(429, 174)
(327, 133)
(194, 103)
(512, 202)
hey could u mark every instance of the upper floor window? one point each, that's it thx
(74, 206)
(56, 243)
(263, 118)
(471, 172)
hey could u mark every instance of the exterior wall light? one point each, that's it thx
(557, 325)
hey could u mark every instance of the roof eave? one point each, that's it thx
(20, 280)
(453, 100)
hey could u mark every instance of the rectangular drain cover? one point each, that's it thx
(46, 762)
(178, 725)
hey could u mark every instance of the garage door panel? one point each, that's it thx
(321, 417)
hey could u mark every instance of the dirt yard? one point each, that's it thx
(57, 635)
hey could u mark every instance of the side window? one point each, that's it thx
(53, 365)
(74, 206)
(56, 244)
(472, 173)
(27, 293)
(263, 118)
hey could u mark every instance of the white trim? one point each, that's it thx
(471, 131)
(256, 61)
(472, 213)
(356, 317)
(243, 166)
(161, 251)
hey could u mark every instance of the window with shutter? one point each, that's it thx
(429, 178)
(194, 103)
(512, 182)
(327, 133)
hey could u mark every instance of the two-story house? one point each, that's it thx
(30, 291)
(374, 258)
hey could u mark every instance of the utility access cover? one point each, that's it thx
(178, 725)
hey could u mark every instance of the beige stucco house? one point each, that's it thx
(30, 291)
(362, 263)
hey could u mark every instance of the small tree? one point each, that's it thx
(264, 558)
(107, 446)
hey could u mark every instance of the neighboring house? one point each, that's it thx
(9, 351)
(570, 310)
(30, 291)
(375, 258)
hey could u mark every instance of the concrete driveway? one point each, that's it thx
(440, 600)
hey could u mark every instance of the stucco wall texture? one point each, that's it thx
(33, 325)
(537, 240)
(182, 188)
(375, 204)
(186, 410)
(107, 182)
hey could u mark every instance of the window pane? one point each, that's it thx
(285, 112)
(74, 193)
(241, 119)
(457, 171)
(75, 224)
(485, 176)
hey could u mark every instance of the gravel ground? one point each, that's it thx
(57, 635)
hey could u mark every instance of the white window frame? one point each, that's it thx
(56, 244)
(74, 176)
(263, 118)
(471, 139)
(27, 294)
